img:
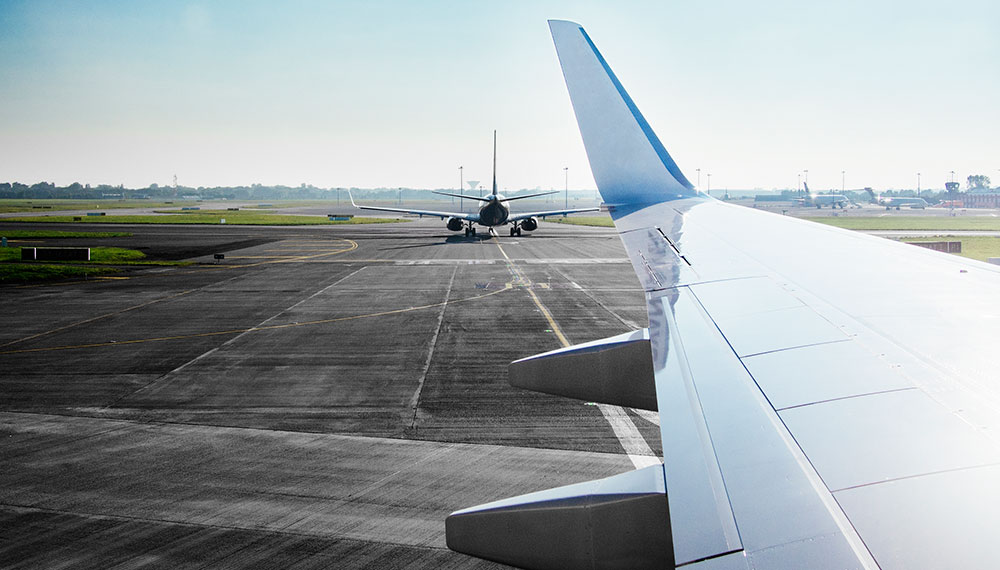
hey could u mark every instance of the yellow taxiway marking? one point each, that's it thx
(256, 329)
(521, 280)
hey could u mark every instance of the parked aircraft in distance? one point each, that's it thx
(819, 200)
(494, 212)
(908, 202)
(826, 399)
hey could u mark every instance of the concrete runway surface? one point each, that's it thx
(324, 397)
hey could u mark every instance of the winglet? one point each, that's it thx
(630, 164)
(352, 198)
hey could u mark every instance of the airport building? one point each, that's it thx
(982, 198)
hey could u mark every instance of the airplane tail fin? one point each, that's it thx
(630, 164)
(494, 162)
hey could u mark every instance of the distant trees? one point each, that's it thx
(978, 182)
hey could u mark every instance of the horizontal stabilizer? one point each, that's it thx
(480, 198)
(618, 522)
(509, 198)
(616, 370)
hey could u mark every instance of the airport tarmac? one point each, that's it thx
(324, 396)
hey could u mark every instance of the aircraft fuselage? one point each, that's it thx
(494, 212)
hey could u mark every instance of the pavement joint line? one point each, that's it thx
(231, 340)
(165, 521)
(631, 440)
(97, 318)
(631, 325)
(415, 400)
(225, 427)
(254, 329)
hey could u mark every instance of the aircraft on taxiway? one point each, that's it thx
(494, 212)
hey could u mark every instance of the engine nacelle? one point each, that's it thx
(455, 224)
(529, 224)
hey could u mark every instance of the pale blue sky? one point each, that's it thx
(401, 93)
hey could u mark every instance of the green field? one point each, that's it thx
(50, 234)
(600, 221)
(912, 222)
(98, 256)
(12, 269)
(973, 247)
(240, 218)
(11, 205)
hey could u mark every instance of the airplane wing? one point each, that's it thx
(473, 217)
(526, 215)
(827, 399)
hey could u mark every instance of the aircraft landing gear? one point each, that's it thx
(469, 230)
(515, 230)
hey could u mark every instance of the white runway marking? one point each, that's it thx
(651, 417)
(632, 441)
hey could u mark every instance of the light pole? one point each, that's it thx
(918, 184)
(798, 185)
(566, 173)
(952, 175)
(699, 178)
(842, 181)
(461, 192)
(709, 183)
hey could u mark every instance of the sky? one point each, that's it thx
(402, 93)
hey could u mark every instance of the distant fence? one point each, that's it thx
(945, 246)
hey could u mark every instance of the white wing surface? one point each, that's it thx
(827, 399)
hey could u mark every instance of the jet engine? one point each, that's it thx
(529, 224)
(455, 224)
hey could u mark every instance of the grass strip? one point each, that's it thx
(14, 205)
(98, 256)
(598, 221)
(51, 234)
(973, 247)
(890, 222)
(23, 272)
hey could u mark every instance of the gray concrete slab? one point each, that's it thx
(324, 395)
